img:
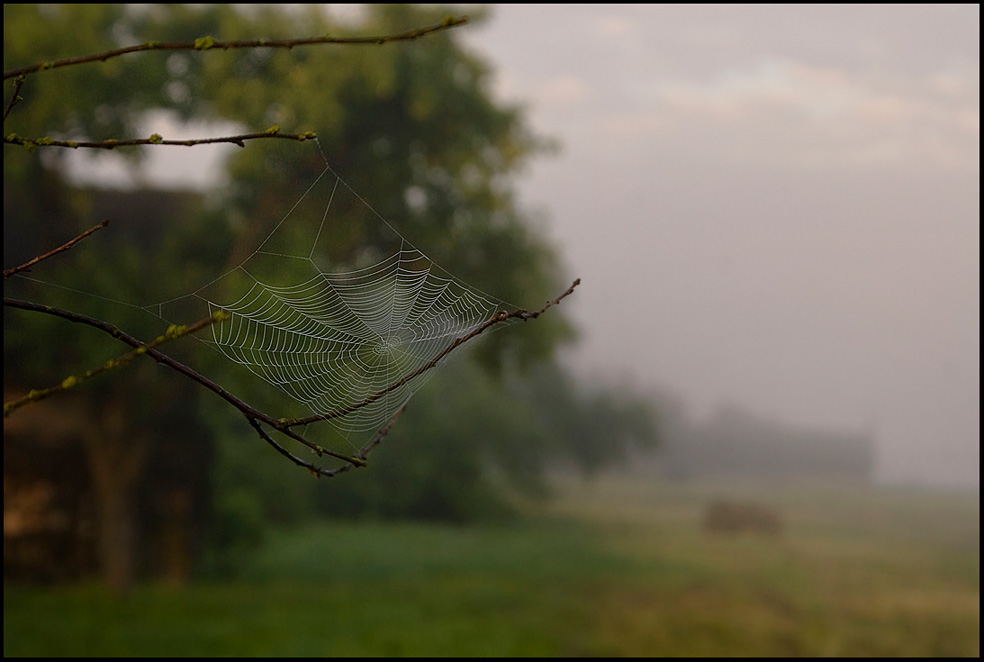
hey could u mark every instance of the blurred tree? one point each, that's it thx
(119, 437)
(414, 129)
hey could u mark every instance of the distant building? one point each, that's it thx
(734, 443)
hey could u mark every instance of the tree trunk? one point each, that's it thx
(117, 536)
(176, 508)
(116, 461)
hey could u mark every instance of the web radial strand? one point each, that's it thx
(334, 340)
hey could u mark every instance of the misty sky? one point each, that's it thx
(772, 207)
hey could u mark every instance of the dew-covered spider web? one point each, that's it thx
(334, 340)
(336, 309)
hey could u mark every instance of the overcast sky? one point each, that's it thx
(773, 207)
(770, 207)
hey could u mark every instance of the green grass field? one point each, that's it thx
(614, 567)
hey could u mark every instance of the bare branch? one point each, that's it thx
(315, 469)
(523, 315)
(156, 139)
(30, 263)
(282, 425)
(246, 410)
(500, 317)
(310, 466)
(173, 333)
(208, 43)
(363, 454)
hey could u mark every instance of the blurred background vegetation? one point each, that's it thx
(448, 543)
(413, 127)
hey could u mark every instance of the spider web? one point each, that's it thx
(336, 339)
(332, 338)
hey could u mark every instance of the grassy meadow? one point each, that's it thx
(618, 566)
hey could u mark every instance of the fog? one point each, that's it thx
(771, 208)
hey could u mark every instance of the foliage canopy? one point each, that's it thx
(414, 128)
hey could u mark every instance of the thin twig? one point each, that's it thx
(363, 454)
(315, 469)
(310, 466)
(208, 43)
(173, 333)
(155, 139)
(64, 247)
(498, 318)
(383, 431)
(15, 98)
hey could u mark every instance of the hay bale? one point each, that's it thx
(734, 516)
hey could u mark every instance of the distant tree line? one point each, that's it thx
(735, 444)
